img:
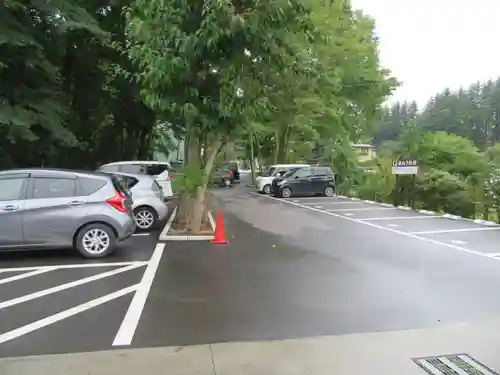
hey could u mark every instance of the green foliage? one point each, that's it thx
(164, 140)
(440, 191)
(344, 161)
(379, 184)
(455, 177)
(341, 92)
(60, 102)
(187, 180)
(450, 153)
(471, 112)
(86, 82)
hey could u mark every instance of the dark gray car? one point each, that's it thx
(51, 208)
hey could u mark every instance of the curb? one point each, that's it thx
(425, 212)
(168, 237)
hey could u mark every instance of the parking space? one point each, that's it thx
(485, 241)
(460, 234)
(57, 302)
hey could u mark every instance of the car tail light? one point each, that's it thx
(169, 178)
(118, 202)
(229, 173)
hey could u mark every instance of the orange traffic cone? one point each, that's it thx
(219, 236)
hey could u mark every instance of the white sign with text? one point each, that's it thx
(407, 167)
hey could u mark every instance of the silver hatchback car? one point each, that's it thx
(148, 202)
(51, 208)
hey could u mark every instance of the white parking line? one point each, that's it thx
(392, 225)
(140, 234)
(399, 218)
(340, 202)
(410, 235)
(456, 230)
(167, 226)
(68, 266)
(360, 209)
(10, 335)
(25, 275)
(307, 198)
(458, 242)
(58, 288)
(129, 324)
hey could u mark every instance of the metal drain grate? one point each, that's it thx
(455, 364)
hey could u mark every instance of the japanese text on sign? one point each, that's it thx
(404, 163)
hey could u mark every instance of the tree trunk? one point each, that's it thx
(203, 146)
(192, 157)
(198, 204)
(281, 140)
(252, 154)
(277, 146)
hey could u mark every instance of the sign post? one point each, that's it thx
(408, 168)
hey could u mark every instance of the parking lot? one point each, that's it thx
(57, 302)
(462, 235)
(293, 268)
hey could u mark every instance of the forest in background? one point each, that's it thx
(455, 139)
(473, 113)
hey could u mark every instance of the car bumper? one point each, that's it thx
(161, 211)
(166, 187)
(127, 231)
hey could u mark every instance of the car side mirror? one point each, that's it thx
(296, 177)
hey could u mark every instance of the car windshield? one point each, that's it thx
(269, 172)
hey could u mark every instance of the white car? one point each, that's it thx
(148, 203)
(265, 181)
(160, 170)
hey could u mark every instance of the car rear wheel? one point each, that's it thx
(267, 189)
(286, 192)
(95, 240)
(145, 218)
(329, 191)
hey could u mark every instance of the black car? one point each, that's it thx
(223, 176)
(234, 169)
(305, 181)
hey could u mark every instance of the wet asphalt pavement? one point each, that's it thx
(302, 267)
(33, 297)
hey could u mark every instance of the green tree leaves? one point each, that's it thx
(472, 112)
(59, 93)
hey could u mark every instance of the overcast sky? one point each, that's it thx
(433, 44)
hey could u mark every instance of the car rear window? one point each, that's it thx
(156, 169)
(91, 185)
(176, 165)
(129, 182)
(119, 186)
(156, 187)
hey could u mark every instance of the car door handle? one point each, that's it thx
(76, 204)
(10, 207)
